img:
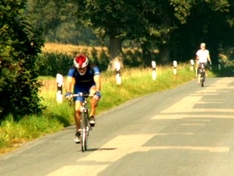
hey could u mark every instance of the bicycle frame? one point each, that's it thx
(85, 126)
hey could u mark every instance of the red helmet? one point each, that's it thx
(81, 61)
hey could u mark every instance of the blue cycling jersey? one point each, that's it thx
(84, 82)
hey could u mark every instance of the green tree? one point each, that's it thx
(175, 27)
(148, 22)
(58, 22)
(207, 21)
(19, 46)
(108, 18)
(158, 19)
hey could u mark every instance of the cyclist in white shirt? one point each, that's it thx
(202, 56)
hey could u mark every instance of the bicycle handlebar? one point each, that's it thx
(82, 94)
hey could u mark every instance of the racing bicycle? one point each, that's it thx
(202, 72)
(85, 125)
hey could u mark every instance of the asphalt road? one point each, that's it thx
(186, 131)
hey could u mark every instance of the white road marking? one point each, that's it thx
(122, 145)
(189, 116)
(210, 149)
(192, 124)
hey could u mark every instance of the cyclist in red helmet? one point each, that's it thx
(83, 77)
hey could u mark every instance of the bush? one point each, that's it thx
(53, 62)
(19, 45)
(58, 58)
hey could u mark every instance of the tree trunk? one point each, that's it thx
(115, 50)
(115, 47)
(146, 54)
(164, 54)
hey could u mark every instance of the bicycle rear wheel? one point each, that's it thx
(202, 79)
(202, 83)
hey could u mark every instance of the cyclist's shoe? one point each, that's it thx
(92, 121)
(77, 137)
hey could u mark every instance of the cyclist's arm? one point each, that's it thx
(208, 57)
(97, 80)
(69, 84)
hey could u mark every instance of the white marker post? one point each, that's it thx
(191, 64)
(175, 67)
(59, 94)
(117, 69)
(154, 73)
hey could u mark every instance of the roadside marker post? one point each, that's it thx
(59, 94)
(175, 67)
(191, 64)
(118, 76)
(154, 72)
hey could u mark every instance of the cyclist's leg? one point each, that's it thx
(77, 113)
(77, 118)
(93, 102)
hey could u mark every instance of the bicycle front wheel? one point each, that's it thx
(84, 134)
(83, 141)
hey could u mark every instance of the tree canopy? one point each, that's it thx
(19, 46)
(175, 27)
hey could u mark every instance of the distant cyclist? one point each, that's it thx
(202, 56)
(83, 77)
